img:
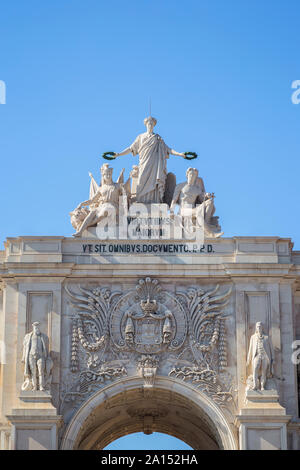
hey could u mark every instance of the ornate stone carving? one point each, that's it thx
(90, 323)
(103, 202)
(220, 387)
(190, 193)
(90, 340)
(77, 217)
(37, 362)
(197, 205)
(147, 367)
(212, 228)
(89, 381)
(74, 351)
(260, 358)
(148, 327)
(127, 210)
(116, 334)
(153, 153)
(207, 342)
(148, 320)
(207, 326)
(150, 188)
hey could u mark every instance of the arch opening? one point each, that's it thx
(154, 441)
(170, 408)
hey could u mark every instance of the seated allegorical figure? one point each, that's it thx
(105, 201)
(191, 195)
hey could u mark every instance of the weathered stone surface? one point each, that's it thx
(149, 340)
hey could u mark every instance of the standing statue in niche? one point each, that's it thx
(153, 153)
(37, 362)
(260, 358)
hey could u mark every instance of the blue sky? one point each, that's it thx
(140, 441)
(79, 75)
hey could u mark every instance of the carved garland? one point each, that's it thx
(101, 314)
(74, 347)
(92, 347)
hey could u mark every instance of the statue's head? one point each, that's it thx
(36, 327)
(259, 327)
(150, 122)
(106, 173)
(191, 175)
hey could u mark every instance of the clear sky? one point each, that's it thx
(79, 75)
(140, 441)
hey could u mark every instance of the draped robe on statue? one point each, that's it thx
(153, 153)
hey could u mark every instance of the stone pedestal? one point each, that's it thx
(35, 426)
(262, 422)
(35, 397)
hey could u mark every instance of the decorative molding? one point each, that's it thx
(145, 329)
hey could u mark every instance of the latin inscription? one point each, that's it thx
(139, 248)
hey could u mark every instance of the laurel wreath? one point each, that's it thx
(107, 156)
(111, 155)
(193, 155)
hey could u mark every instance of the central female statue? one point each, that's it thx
(153, 153)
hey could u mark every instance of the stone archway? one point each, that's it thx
(170, 407)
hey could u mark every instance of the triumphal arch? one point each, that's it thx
(149, 319)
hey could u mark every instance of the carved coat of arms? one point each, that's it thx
(148, 320)
(148, 328)
(113, 330)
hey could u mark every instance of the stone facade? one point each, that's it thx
(149, 339)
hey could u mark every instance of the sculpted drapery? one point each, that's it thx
(153, 153)
(148, 183)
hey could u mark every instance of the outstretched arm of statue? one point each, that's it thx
(173, 152)
(124, 152)
(88, 201)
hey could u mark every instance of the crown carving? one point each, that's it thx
(148, 306)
